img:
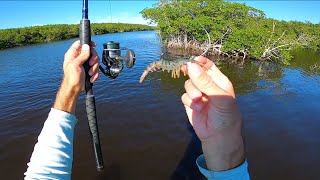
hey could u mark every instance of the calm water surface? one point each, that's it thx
(143, 127)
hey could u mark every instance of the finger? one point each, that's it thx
(189, 112)
(94, 77)
(202, 81)
(73, 51)
(217, 76)
(192, 91)
(83, 56)
(208, 65)
(94, 57)
(222, 81)
(195, 105)
(93, 44)
(186, 100)
(204, 62)
(93, 69)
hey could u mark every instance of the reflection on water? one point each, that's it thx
(144, 130)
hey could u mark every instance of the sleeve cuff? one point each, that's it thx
(240, 171)
(64, 116)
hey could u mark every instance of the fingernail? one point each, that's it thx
(196, 58)
(194, 69)
(85, 47)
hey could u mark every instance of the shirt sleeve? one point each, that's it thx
(238, 173)
(53, 154)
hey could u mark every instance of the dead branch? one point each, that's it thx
(273, 50)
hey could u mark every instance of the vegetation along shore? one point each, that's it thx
(236, 30)
(40, 34)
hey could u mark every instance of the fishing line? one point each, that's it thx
(110, 10)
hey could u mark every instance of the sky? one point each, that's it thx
(21, 13)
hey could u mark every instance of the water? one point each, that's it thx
(144, 130)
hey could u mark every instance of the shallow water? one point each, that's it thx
(144, 130)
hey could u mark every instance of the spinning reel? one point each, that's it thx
(112, 59)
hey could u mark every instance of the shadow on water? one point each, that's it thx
(187, 168)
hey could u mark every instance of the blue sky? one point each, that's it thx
(30, 13)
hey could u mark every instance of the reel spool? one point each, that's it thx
(112, 59)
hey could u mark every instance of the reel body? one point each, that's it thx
(113, 61)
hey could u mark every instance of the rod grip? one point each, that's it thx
(85, 31)
(94, 131)
(85, 38)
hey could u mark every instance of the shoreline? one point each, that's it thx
(19, 37)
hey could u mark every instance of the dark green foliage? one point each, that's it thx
(234, 26)
(40, 34)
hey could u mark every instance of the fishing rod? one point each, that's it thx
(85, 38)
(113, 61)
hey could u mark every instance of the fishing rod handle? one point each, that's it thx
(94, 131)
(85, 31)
(85, 38)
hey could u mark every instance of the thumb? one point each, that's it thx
(84, 55)
(202, 81)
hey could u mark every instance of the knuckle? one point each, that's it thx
(83, 54)
(96, 58)
(95, 66)
(205, 82)
(183, 97)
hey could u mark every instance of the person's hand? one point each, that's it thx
(212, 111)
(74, 74)
(73, 81)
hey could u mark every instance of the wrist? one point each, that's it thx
(66, 98)
(224, 152)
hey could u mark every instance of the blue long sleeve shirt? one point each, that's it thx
(53, 154)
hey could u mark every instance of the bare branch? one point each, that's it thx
(273, 51)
